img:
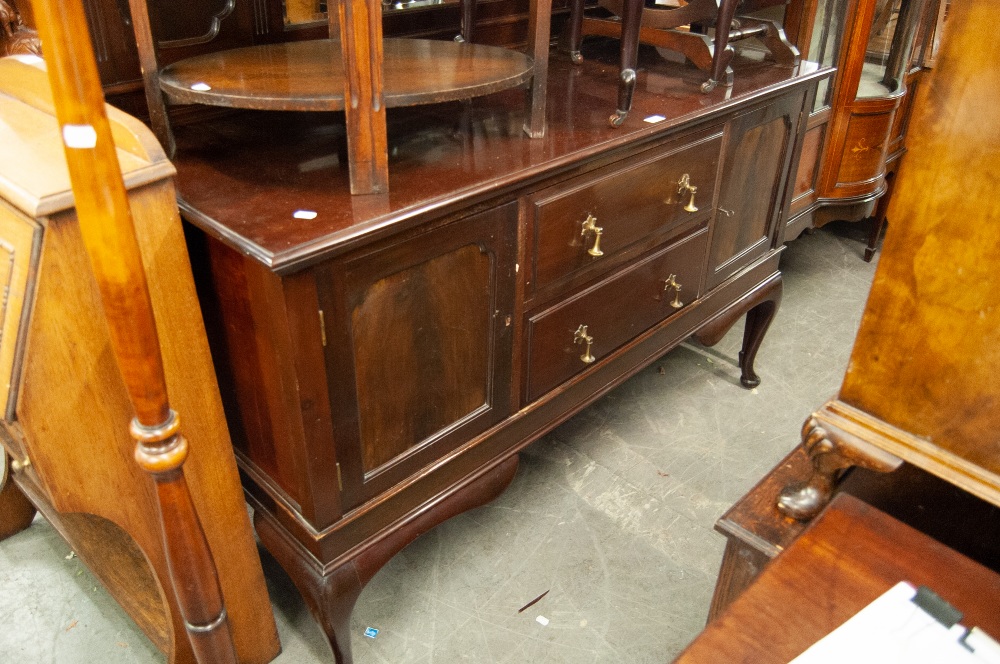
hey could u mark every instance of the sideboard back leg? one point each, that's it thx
(758, 320)
(331, 591)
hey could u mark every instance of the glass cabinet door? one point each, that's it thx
(829, 25)
(890, 42)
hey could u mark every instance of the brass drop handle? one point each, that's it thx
(671, 282)
(684, 185)
(581, 337)
(590, 226)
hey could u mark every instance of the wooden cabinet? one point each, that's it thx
(418, 347)
(858, 126)
(384, 358)
(920, 386)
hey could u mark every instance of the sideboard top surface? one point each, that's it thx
(244, 177)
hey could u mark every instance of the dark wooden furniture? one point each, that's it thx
(920, 386)
(385, 357)
(846, 559)
(857, 131)
(633, 23)
(15, 35)
(756, 532)
(66, 408)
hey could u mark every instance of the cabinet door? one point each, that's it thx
(757, 157)
(419, 349)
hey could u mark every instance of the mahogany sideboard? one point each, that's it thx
(383, 358)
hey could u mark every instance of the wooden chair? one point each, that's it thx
(635, 23)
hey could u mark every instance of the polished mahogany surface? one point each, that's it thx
(243, 177)
(852, 554)
(309, 75)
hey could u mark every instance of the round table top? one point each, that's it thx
(309, 75)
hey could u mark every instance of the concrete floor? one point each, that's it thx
(611, 515)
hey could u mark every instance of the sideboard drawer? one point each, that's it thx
(626, 203)
(611, 313)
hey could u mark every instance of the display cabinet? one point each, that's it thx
(857, 131)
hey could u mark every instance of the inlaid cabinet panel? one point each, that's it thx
(865, 158)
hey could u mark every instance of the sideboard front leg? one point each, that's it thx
(831, 450)
(332, 590)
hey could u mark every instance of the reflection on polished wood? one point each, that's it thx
(850, 556)
(309, 76)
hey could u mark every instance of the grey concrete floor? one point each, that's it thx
(611, 514)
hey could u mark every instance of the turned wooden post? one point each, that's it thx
(109, 237)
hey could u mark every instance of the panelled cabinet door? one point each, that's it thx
(756, 152)
(419, 354)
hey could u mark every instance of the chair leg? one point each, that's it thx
(574, 36)
(722, 52)
(631, 22)
(468, 21)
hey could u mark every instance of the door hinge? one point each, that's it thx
(340, 479)
(322, 327)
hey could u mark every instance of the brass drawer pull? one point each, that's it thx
(684, 185)
(671, 282)
(581, 336)
(590, 226)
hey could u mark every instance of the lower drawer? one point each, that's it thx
(565, 339)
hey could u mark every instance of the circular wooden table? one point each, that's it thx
(309, 75)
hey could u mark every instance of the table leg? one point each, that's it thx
(539, 30)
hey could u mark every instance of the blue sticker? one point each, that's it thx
(371, 632)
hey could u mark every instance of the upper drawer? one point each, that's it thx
(568, 337)
(626, 203)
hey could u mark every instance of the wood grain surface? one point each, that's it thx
(849, 556)
(309, 75)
